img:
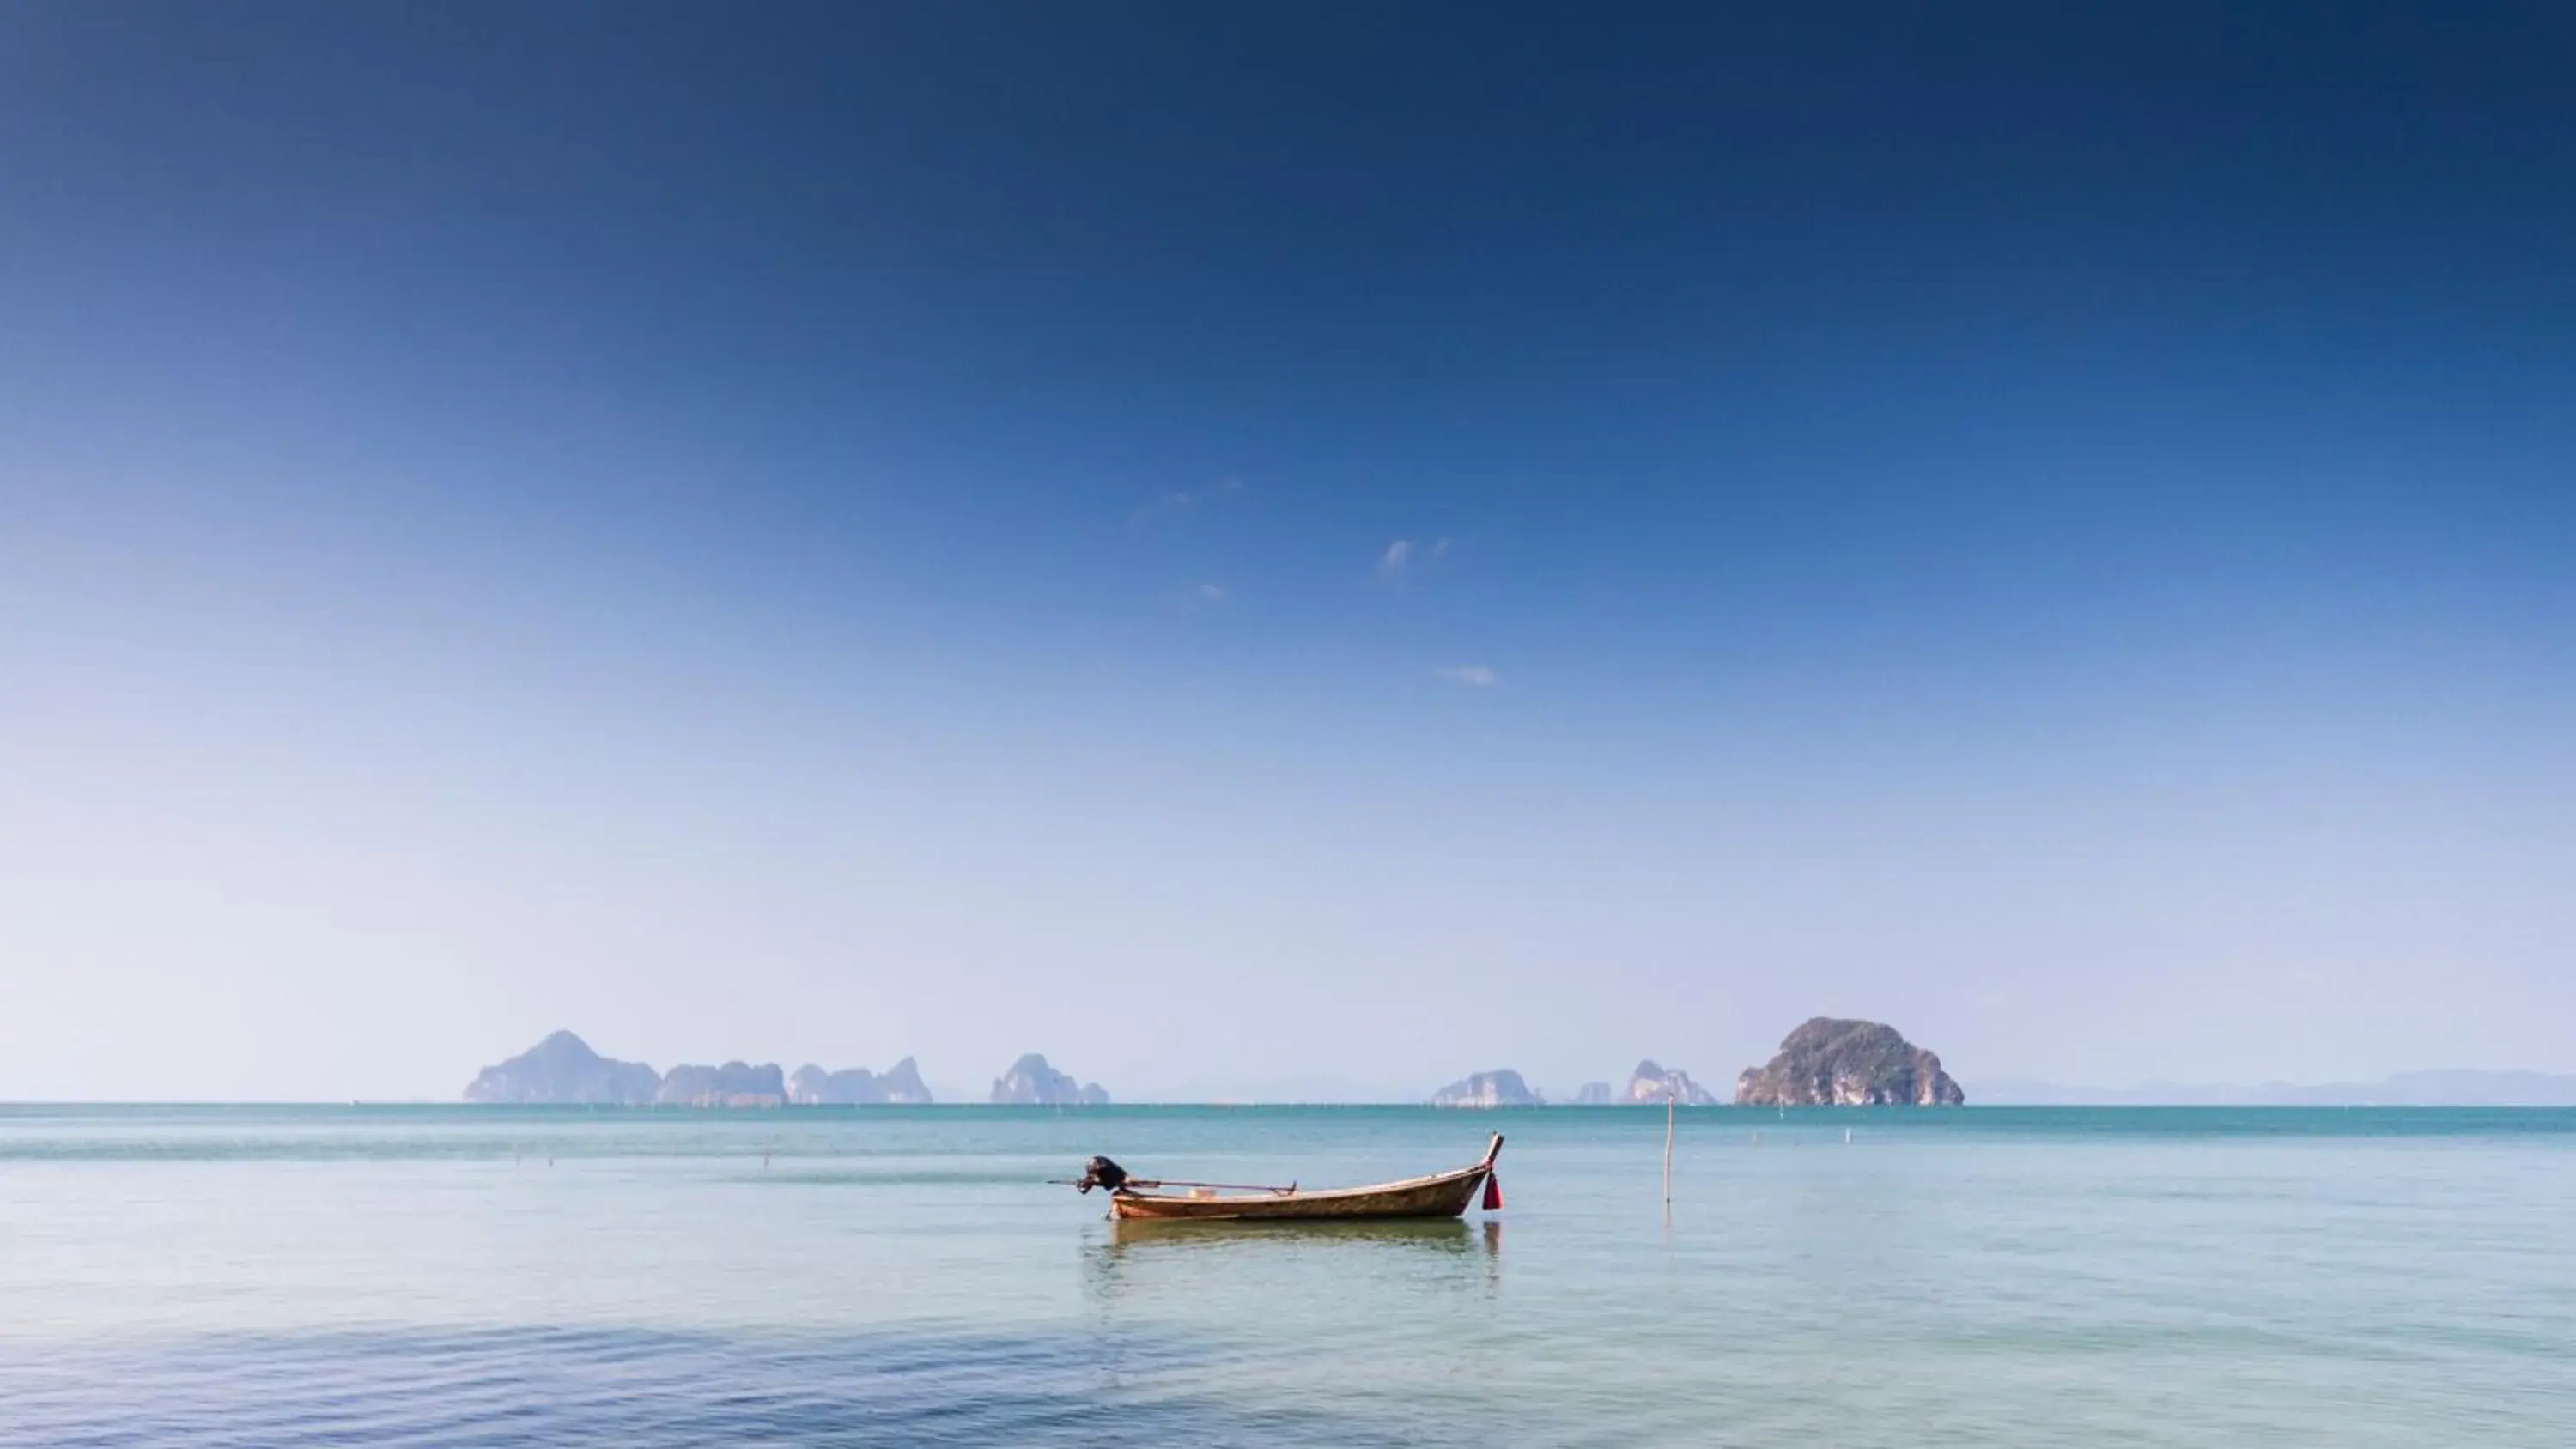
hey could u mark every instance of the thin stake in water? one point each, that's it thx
(1668, 1150)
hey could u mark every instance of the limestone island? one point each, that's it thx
(734, 1084)
(563, 1069)
(1832, 1063)
(1501, 1087)
(1650, 1085)
(1032, 1083)
(897, 1086)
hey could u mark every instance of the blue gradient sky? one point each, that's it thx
(830, 532)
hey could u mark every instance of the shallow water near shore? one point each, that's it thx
(2009, 1277)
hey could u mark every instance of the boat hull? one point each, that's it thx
(1441, 1195)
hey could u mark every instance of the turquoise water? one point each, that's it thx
(433, 1276)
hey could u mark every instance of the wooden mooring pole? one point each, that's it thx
(1668, 1151)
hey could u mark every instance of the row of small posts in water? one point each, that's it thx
(1671, 1103)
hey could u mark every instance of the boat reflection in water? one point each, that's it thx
(1145, 1254)
(1438, 1234)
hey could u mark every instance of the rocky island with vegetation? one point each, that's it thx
(897, 1086)
(1834, 1063)
(1651, 1086)
(1501, 1087)
(735, 1084)
(563, 1069)
(1032, 1083)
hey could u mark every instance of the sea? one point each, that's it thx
(433, 1276)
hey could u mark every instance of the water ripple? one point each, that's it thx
(510, 1387)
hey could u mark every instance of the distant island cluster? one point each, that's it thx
(1827, 1062)
(564, 1070)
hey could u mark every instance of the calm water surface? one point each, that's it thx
(485, 1277)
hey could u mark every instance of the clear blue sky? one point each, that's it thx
(1269, 550)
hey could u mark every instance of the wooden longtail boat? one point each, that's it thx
(1440, 1195)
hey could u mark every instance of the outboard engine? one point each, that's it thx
(1101, 1172)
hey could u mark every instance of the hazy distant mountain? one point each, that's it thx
(903, 1086)
(563, 1068)
(1651, 1084)
(732, 1085)
(2457, 1088)
(900, 1085)
(1032, 1083)
(1832, 1063)
(1502, 1087)
(1594, 1094)
(811, 1086)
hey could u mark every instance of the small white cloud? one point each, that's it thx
(1179, 499)
(1391, 564)
(1474, 676)
(1439, 550)
(1212, 593)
